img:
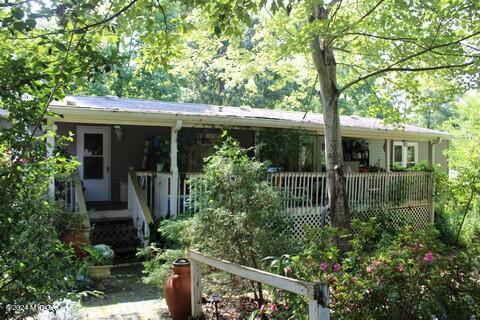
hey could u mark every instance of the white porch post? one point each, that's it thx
(432, 151)
(50, 149)
(174, 168)
(255, 144)
(389, 154)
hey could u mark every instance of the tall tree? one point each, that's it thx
(379, 39)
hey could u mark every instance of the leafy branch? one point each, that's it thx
(393, 67)
(83, 29)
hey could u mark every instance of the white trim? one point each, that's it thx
(389, 154)
(106, 131)
(174, 181)
(75, 114)
(405, 146)
(50, 141)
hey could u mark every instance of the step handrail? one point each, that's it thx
(79, 204)
(138, 207)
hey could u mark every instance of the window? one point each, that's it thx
(405, 153)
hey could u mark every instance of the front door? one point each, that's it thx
(93, 151)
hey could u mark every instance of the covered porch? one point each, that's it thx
(131, 176)
(138, 159)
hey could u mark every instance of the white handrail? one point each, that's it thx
(75, 200)
(147, 184)
(138, 208)
(306, 190)
(317, 293)
(81, 206)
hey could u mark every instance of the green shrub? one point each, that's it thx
(409, 275)
(175, 237)
(241, 217)
(35, 267)
(158, 264)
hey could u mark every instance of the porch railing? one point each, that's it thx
(138, 207)
(401, 195)
(397, 196)
(146, 180)
(71, 193)
(306, 190)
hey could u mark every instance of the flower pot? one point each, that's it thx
(99, 272)
(177, 291)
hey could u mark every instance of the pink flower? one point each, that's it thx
(428, 257)
(370, 268)
(262, 307)
(323, 266)
(337, 267)
(400, 268)
(273, 307)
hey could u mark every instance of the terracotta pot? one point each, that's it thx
(76, 240)
(177, 291)
(99, 272)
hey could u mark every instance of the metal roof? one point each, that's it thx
(249, 116)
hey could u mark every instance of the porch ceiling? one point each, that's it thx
(113, 110)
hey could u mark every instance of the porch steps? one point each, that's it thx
(115, 229)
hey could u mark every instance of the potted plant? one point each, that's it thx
(73, 229)
(99, 259)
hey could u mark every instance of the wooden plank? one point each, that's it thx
(318, 308)
(79, 197)
(296, 286)
(317, 312)
(196, 289)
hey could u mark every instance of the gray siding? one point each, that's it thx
(423, 151)
(440, 155)
(124, 154)
(129, 152)
(376, 152)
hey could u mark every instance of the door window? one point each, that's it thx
(93, 156)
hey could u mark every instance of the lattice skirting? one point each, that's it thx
(417, 216)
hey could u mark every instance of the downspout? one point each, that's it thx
(174, 187)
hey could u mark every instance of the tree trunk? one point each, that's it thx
(324, 60)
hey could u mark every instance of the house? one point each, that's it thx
(138, 156)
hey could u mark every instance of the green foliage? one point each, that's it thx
(241, 212)
(460, 203)
(41, 49)
(408, 275)
(175, 236)
(158, 264)
(99, 255)
(421, 166)
(176, 233)
(67, 222)
(241, 217)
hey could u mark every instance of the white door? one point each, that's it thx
(93, 152)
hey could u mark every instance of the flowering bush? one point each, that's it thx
(407, 275)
